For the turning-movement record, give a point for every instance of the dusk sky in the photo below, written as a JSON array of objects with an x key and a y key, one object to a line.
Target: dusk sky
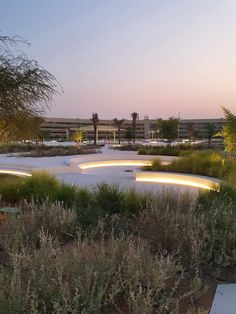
[{"x": 114, "y": 57}]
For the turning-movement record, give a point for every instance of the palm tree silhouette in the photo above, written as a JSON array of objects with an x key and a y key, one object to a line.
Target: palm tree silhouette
[
  {"x": 118, "y": 123},
  {"x": 95, "y": 121},
  {"x": 134, "y": 118},
  {"x": 210, "y": 130}
]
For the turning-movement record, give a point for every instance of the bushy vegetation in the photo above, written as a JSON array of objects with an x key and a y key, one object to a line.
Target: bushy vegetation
[
  {"x": 177, "y": 150},
  {"x": 34, "y": 150},
  {"x": 208, "y": 163},
  {"x": 90, "y": 204},
  {"x": 50, "y": 151},
  {"x": 163, "y": 150},
  {"x": 107, "y": 250},
  {"x": 15, "y": 148},
  {"x": 128, "y": 147}
]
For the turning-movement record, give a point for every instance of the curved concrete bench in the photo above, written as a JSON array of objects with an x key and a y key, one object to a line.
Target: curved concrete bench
[
  {"x": 20, "y": 172},
  {"x": 114, "y": 163},
  {"x": 179, "y": 179}
]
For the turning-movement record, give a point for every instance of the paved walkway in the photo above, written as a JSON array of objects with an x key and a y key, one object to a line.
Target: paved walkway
[{"x": 66, "y": 169}]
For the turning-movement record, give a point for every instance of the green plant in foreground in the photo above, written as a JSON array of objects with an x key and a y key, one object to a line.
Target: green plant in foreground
[
  {"x": 229, "y": 131},
  {"x": 105, "y": 249}
]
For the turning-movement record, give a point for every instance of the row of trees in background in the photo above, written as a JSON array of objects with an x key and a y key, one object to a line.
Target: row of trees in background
[
  {"x": 130, "y": 132},
  {"x": 169, "y": 129},
  {"x": 26, "y": 89}
]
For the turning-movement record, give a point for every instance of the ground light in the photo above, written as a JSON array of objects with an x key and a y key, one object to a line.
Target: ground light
[
  {"x": 179, "y": 179},
  {"x": 16, "y": 172},
  {"x": 111, "y": 163}
]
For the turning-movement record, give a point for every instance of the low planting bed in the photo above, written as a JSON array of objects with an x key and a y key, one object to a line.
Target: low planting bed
[
  {"x": 34, "y": 150},
  {"x": 50, "y": 151},
  {"x": 206, "y": 163}
]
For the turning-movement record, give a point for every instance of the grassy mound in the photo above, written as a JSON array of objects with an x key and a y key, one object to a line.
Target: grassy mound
[{"x": 208, "y": 163}]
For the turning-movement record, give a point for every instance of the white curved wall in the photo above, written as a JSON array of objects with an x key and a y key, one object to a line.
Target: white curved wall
[{"x": 179, "y": 179}]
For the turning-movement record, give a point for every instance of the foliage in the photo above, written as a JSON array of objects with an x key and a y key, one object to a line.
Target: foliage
[
  {"x": 127, "y": 147},
  {"x": 210, "y": 129},
  {"x": 106, "y": 250},
  {"x": 134, "y": 116},
  {"x": 139, "y": 264},
  {"x": 168, "y": 129},
  {"x": 118, "y": 123},
  {"x": 78, "y": 136},
  {"x": 95, "y": 120},
  {"x": 208, "y": 163},
  {"x": 97, "y": 276},
  {"x": 192, "y": 131},
  {"x": 229, "y": 131},
  {"x": 50, "y": 151},
  {"x": 128, "y": 134},
  {"x": 6, "y": 148},
  {"x": 26, "y": 88},
  {"x": 164, "y": 150}
]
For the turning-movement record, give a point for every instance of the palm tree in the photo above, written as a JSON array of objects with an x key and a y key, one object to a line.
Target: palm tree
[
  {"x": 118, "y": 123},
  {"x": 134, "y": 118},
  {"x": 210, "y": 130},
  {"x": 95, "y": 121}
]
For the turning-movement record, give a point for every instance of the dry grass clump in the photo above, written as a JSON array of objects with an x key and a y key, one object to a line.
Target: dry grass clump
[
  {"x": 184, "y": 226},
  {"x": 24, "y": 229},
  {"x": 209, "y": 163},
  {"x": 114, "y": 275}
]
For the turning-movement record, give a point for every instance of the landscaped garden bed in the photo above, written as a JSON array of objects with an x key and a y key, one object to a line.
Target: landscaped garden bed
[
  {"x": 108, "y": 250},
  {"x": 34, "y": 150}
]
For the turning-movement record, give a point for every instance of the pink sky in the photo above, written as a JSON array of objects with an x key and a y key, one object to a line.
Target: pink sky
[{"x": 113, "y": 57}]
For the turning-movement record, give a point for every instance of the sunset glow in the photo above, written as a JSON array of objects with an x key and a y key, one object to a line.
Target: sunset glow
[{"x": 157, "y": 58}]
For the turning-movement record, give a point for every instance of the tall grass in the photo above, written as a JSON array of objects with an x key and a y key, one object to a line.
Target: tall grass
[
  {"x": 108, "y": 250},
  {"x": 209, "y": 163},
  {"x": 94, "y": 276}
]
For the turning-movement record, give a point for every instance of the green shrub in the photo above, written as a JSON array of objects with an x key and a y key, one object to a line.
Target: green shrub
[
  {"x": 134, "y": 201},
  {"x": 208, "y": 163},
  {"x": 50, "y": 151},
  {"x": 109, "y": 199},
  {"x": 67, "y": 194},
  {"x": 114, "y": 249},
  {"x": 156, "y": 165},
  {"x": 10, "y": 188},
  {"x": 84, "y": 198},
  {"x": 40, "y": 186},
  {"x": 177, "y": 150},
  {"x": 16, "y": 147},
  {"x": 159, "y": 150}
]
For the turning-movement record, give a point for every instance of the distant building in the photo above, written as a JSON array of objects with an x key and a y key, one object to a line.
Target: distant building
[{"x": 63, "y": 128}]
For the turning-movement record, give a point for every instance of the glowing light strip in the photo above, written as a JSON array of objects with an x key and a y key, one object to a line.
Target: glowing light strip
[
  {"x": 112, "y": 163},
  {"x": 169, "y": 179},
  {"x": 16, "y": 172}
]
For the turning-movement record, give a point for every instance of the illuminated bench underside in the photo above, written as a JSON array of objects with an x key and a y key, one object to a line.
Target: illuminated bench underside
[
  {"x": 16, "y": 172},
  {"x": 114, "y": 163},
  {"x": 179, "y": 179}
]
